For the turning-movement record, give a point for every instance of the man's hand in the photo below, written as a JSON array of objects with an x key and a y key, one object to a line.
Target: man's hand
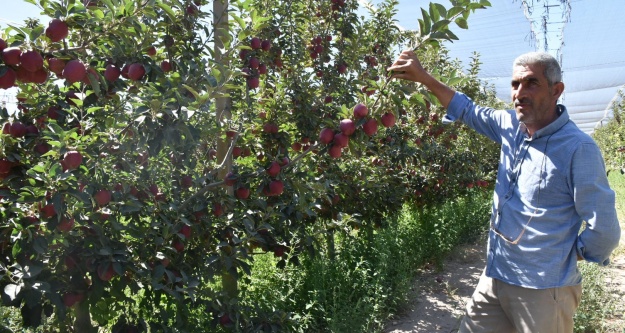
[{"x": 408, "y": 67}]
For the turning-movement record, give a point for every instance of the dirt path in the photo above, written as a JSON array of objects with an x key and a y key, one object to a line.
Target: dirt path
[{"x": 440, "y": 296}]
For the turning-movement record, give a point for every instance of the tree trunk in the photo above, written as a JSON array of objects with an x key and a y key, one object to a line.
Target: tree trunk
[{"x": 222, "y": 106}]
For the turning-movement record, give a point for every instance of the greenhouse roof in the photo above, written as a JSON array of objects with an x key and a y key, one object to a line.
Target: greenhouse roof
[{"x": 585, "y": 35}]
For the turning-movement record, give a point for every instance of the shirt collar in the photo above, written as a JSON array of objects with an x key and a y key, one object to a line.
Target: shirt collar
[{"x": 563, "y": 118}]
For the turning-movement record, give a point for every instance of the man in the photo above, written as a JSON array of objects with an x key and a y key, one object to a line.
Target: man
[{"x": 551, "y": 178}]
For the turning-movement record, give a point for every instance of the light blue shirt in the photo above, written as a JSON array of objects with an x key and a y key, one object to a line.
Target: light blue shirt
[{"x": 554, "y": 180}]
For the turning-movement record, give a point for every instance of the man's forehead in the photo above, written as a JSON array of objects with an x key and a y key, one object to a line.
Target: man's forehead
[{"x": 527, "y": 72}]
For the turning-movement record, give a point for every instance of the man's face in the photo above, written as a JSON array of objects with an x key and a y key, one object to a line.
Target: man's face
[{"x": 534, "y": 100}]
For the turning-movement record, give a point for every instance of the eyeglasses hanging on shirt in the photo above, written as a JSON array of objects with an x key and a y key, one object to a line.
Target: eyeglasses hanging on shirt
[{"x": 515, "y": 240}]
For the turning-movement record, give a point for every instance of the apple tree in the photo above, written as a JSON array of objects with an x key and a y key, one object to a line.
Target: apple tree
[{"x": 159, "y": 145}]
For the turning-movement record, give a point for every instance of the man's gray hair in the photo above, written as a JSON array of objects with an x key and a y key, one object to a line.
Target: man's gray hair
[{"x": 552, "y": 70}]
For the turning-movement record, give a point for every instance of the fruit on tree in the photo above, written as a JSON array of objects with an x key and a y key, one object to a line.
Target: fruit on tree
[
  {"x": 57, "y": 30},
  {"x": 347, "y": 127},
  {"x": 186, "y": 181},
  {"x": 136, "y": 71},
  {"x": 274, "y": 169},
  {"x": 388, "y": 119},
  {"x": 360, "y": 111},
  {"x": 47, "y": 211},
  {"x": 71, "y": 298},
  {"x": 66, "y": 224},
  {"x": 17, "y": 129},
  {"x": 218, "y": 209},
  {"x": 185, "y": 230},
  {"x": 326, "y": 135},
  {"x": 56, "y": 65},
  {"x": 255, "y": 43},
  {"x": 151, "y": 51},
  {"x": 166, "y": 66},
  {"x": 106, "y": 271},
  {"x": 265, "y": 45},
  {"x": 111, "y": 73},
  {"x": 102, "y": 197},
  {"x": 275, "y": 188},
  {"x": 7, "y": 80},
  {"x": 341, "y": 140},
  {"x": 31, "y": 60},
  {"x": 242, "y": 193},
  {"x": 370, "y": 127},
  {"x": 11, "y": 56},
  {"x": 335, "y": 151},
  {"x": 74, "y": 71},
  {"x": 72, "y": 159}
]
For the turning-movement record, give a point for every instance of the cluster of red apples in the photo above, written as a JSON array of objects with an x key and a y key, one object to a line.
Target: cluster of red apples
[
  {"x": 253, "y": 65},
  {"x": 31, "y": 66},
  {"x": 347, "y": 127}
]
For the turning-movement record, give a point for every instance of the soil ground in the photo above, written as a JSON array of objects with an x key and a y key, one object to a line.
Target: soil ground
[{"x": 441, "y": 294}]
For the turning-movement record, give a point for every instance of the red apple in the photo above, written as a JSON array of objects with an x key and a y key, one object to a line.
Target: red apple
[
  {"x": 11, "y": 56},
  {"x": 218, "y": 209},
  {"x": 275, "y": 187},
  {"x": 388, "y": 119},
  {"x": 136, "y": 71},
  {"x": 253, "y": 82},
  {"x": 360, "y": 111},
  {"x": 347, "y": 127},
  {"x": 271, "y": 128},
  {"x": 178, "y": 246},
  {"x": 7, "y": 79},
  {"x": 57, "y": 30},
  {"x": 74, "y": 71},
  {"x": 341, "y": 140},
  {"x": 66, "y": 224},
  {"x": 151, "y": 51},
  {"x": 72, "y": 159},
  {"x": 102, "y": 197},
  {"x": 106, "y": 271},
  {"x": 39, "y": 76},
  {"x": 185, "y": 230},
  {"x": 166, "y": 66},
  {"x": 335, "y": 151},
  {"x": 31, "y": 60},
  {"x": 186, "y": 181},
  {"x": 254, "y": 63},
  {"x": 72, "y": 298},
  {"x": 47, "y": 211},
  {"x": 370, "y": 127},
  {"x": 262, "y": 69},
  {"x": 111, "y": 73},
  {"x": 274, "y": 169},
  {"x": 265, "y": 45},
  {"x": 255, "y": 43},
  {"x": 242, "y": 193},
  {"x": 326, "y": 136},
  {"x": 230, "y": 179},
  {"x": 18, "y": 129}
]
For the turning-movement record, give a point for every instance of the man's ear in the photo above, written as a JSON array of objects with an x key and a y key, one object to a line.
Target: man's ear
[{"x": 558, "y": 89}]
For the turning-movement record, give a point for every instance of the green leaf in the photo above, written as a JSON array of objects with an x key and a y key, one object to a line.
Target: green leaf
[
  {"x": 167, "y": 9},
  {"x": 441, "y": 9},
  {"x": 434, "y": 14},
  {"x": 36, "y": 32},
  {"x": 427, "y": 23},
  {"x": 462, "y": 23},
  {"x": 454, "y": 11},
  {"x": 440, "y": 25}
]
